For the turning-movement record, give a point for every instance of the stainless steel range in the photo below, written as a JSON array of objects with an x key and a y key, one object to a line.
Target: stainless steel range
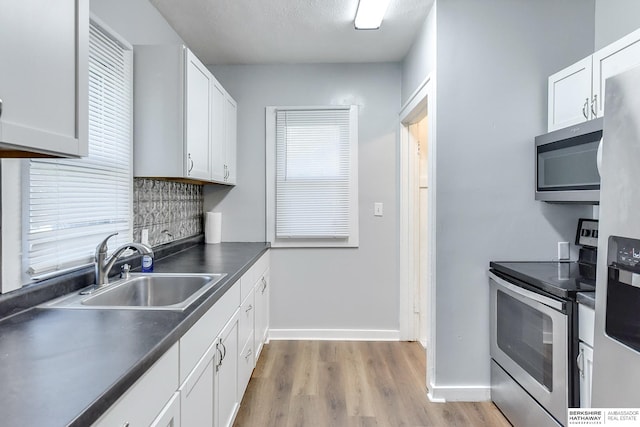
[{"x": 534, "y": 334}]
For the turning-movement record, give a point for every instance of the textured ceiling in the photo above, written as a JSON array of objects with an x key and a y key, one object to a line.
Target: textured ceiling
[{"x": 291, "y": 31}]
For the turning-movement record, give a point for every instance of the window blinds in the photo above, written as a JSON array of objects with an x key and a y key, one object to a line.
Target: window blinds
[
  {"x": 312, "y": 173},
  {"x": 74, "y": 204}
]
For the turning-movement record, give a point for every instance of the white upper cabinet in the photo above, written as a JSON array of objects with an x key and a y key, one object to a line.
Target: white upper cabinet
[
  {"x": 230, "y": 132},
  {"x": 570, "y": 95},
  {"x": 197, "y": 118},
  {"x": 616, "y": 58},
  {"x": 179, "y": 116},
  {"x": 218, "y": 134},
  {"x": 576, "y": 94},
  {"x": 43, "y": 77},
  {"x": 223, "y": 155}
]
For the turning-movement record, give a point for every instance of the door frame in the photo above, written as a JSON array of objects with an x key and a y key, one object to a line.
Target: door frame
[{"x": 423, "y": 97}]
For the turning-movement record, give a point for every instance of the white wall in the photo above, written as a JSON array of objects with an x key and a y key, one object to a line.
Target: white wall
[
  {"x": 421, "y": 58},
  {"x": 493, "y": 61},
  {"x": 615, "y": 19},
  {"x": 321, "y": 288},
  {"x": 137, "y": 21}
]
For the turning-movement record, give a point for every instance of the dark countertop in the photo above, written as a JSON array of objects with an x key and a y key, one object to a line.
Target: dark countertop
[
  {"x": 67, "y": 367},
  {"x": 588, "y": 299}
]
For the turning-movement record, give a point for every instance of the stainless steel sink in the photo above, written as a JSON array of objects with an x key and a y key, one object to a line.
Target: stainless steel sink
[{"x": 145, "y": 291}]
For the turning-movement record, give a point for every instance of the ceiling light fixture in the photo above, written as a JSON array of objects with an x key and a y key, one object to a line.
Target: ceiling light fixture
[{"x": 370, "y": 13}]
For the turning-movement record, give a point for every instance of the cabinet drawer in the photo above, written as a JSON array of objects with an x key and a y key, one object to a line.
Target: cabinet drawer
[
  {"x": 197, "y": 339},
  {"x": 586, "y": 322},
  {"x": 144, "y": 400},
  {"x": 254, "y": 274},
  {"x": 246, "y": 363}
]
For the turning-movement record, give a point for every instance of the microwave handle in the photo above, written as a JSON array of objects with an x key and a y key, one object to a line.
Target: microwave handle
[{"x": 526, "y": 293}]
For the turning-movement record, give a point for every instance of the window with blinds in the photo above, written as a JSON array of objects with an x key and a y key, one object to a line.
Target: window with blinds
[
  {"x": 73, "y": 204},
  {"x": 314, "y": 176}
]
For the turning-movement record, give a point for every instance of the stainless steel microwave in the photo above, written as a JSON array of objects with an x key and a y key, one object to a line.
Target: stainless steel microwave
[{"x": 566, "y": 164}]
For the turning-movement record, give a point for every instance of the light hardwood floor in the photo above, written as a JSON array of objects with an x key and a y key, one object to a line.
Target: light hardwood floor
[{"x": 338, "y": 383}]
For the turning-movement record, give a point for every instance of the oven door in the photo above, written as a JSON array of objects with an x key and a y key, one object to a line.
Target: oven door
[{"x": 529, "y": 340}]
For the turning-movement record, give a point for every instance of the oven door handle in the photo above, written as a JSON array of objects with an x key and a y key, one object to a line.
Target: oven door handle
[{"x": 558, "y": 305}]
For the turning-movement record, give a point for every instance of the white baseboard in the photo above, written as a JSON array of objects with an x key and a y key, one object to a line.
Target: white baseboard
[
  {"x": 335, "y": 334},
  {"x": 459, "y": 393}
]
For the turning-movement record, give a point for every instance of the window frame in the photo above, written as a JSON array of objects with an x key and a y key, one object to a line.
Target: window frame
[{"x": 270, "y": 183}]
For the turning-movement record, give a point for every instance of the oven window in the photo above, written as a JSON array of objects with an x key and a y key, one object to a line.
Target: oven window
[{"x": 526, "y": 336}]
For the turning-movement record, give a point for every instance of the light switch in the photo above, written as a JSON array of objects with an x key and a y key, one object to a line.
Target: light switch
[
  {"x": 377, "y": 209},
  {"x": 144, "y": 236}
]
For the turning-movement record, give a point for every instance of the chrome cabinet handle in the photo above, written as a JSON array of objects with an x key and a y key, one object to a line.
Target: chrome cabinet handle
[
  {"x": 264, "y": 284},
  {"x": 126, "y": 424},
  {"x": 249, "y": 352},
  {"x": 580, "y": 363},
  {"x": 585, "y": 109},
  {"x": 249, "y": 308},
  {"x": 220, "y": 356},
  {"x": 594, "y": 106},
  {"x": 0, "y": 107},
  {"x": 224, "y": 349},
  {"x": 191, "y": 160}
]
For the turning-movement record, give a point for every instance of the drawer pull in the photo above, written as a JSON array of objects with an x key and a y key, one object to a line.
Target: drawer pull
[
  {"x": 249, "y": 352},
  {"x": 249, "y": 308}
]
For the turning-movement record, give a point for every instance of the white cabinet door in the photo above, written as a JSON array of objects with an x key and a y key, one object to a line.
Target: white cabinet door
[
  {"x": 569, "y": 99},
  {"x": 197, "y": 392},
  {"x": 226, "y": 375},
  {"x": 218, "y": 168},
  {"x": 619, "y": 56},
  {"x": 261, "y": 299},
  {"x": 43, "y": 76},
  {"x": 231, "y": 124},
  {"x": 145, "y": 399},
  {"x": 585, "y": 365},
  {"x": 170, "y": 415},
  {"x": 197, "y": 116}
]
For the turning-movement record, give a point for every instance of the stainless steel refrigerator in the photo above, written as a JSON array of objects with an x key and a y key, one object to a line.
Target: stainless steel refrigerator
[{"x": 616, "y": 352}]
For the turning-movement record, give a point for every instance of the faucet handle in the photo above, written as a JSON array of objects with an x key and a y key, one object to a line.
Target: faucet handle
[{"x": 102, "y": 247}]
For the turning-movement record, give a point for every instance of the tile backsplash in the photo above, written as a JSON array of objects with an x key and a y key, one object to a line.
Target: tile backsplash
[{"x": 169, "y": 210}]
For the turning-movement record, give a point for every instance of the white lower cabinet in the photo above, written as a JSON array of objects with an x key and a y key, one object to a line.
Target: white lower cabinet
[
  {"x": 200, "y": 381},
  {"x": 585, "y": 366},
  {"x": 226, "y": 375},
  {"x": 170, "y": 415},
  {"x": 261, "y": 299},
  {"x": 141, "y": 404},
  {"x": 586, "y": 322}
]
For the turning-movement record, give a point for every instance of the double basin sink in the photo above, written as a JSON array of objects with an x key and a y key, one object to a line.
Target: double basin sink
[{"x": 143, "y": 291}]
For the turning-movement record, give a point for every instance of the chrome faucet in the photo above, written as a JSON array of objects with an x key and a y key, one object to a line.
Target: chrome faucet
[{"x": 104, "y": 265}]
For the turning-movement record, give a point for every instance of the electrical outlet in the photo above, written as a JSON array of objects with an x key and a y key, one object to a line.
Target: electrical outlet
[{"x": 563, "y": 251}]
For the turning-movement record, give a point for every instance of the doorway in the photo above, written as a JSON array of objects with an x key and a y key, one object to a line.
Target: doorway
[
  {"x": 419, "y": 142},
  {"x": 417, "y": 223}
]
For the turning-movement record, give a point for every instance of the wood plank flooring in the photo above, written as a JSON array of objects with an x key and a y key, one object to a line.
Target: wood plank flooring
[{"x": 338, "y": 383}]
